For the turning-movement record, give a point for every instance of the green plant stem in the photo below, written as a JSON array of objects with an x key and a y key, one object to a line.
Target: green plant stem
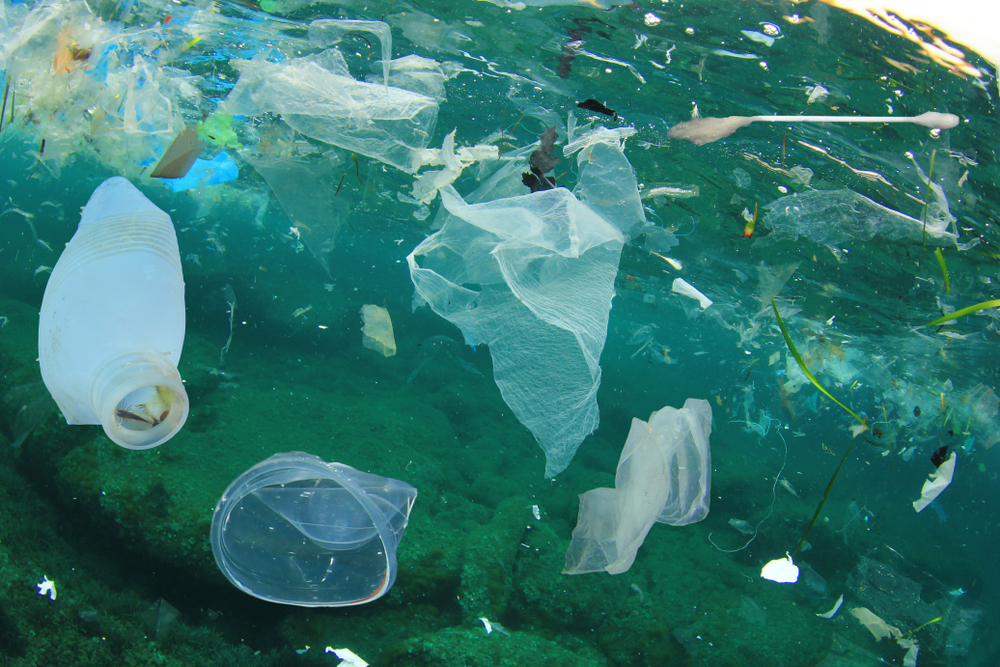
[
  {"x": 965, "y": 311},
  {"x": 919, "y": 627},
  {"x": 826, "y": 494},
  {"x": 6, "y": 89},
  {"x": 944, "y": 270},
  {"x": 805, "y": 369}
]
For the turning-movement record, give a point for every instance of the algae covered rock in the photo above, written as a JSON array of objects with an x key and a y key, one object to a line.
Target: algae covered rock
[
  {"x": 473, "y": 647},
  {"x": 487, "y": 575}
]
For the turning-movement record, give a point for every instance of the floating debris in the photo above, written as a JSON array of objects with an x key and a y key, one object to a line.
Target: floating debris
[{"x": 593, "y": 105}]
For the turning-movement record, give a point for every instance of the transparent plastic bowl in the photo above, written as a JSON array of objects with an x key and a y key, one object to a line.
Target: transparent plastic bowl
[{"x": 297, "y": 530}]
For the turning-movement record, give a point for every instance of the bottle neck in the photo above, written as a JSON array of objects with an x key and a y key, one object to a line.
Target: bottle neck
[{"x": 140, "y": 399}]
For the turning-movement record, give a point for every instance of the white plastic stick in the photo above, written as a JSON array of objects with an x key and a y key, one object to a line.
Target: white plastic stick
[{"x": 941, "y": 121}]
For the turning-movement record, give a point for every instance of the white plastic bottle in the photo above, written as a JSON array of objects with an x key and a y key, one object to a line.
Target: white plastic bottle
[{"x": 112, "y": 322}]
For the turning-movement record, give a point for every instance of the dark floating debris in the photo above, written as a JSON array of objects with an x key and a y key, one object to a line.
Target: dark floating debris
[
  {"x": 576, "y": 38},
  {"x": 591, "y": 104},
  {"x": 939, "y": 456},
  {"x": 542, "y": 161}
]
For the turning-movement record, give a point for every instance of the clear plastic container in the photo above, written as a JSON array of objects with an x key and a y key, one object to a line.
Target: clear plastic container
[{"x": 297, "y": 530}]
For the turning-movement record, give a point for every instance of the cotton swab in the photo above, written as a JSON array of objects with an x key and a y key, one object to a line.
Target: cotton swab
[{"x": 700, "y": 131}]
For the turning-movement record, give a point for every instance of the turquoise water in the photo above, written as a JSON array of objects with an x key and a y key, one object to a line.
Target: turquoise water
[{"x": 123, "y": 532}]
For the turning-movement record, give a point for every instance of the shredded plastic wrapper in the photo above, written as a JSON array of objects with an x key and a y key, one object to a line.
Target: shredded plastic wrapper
[
  {"x": 532, "y": 277},
  {"x": 834, "y": 217},
  {"x": 317, "y": 96},
  {"x": 664, "y": 475},
  {"x": 427, "y": 184},
  {"x": 882, "y": 630},
  {"x": 936, "y": 483}
]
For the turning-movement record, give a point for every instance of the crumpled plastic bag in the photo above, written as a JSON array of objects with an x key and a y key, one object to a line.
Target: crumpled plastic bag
[
  {"x": 318, "y": 97},
  {"x": 607, "y": 180},
  {"x": 664, "y": 475},
  {"x": 834, "y": 217},
  {"x": 532, "y": 277}
]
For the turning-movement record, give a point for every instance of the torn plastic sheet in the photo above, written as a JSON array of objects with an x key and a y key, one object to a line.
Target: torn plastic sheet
[
  {"x": 936, "y": 483},
  {"x": 306, "y": 189},
  {"x": 422, "y": 75},
  {"x": 881, "y": 630},
  {"x": 834, "y": 217},
  {"x": 531, "y": 276},
  {"x": 599, "y": 135},
  {"x": 327, "y": 32},
  {"x": 607, "y": 180},
  {"x": 317, "y": 96}
]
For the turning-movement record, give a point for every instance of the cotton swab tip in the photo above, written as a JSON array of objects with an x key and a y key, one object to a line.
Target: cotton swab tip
[{"x": 939, "y": 121}]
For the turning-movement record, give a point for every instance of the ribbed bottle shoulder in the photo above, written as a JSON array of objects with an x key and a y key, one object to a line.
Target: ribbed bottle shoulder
[{"x": 118, "y": 235}]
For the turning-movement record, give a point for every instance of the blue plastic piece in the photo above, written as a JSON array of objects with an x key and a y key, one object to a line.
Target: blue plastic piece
[{"x": 220, "y": 169}]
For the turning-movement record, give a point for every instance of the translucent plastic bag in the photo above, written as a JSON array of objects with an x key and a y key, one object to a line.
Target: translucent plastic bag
[
  {"x": 531, "y": 276},
  {"x": 664, "y": 475},
  {"x": 318, "y": 97},
  {"x": 305, "y": 188},
  {"x": 607, "y": 180},
  {"x": 834, "y": 217},
  {"x": 326, "y": 32}
]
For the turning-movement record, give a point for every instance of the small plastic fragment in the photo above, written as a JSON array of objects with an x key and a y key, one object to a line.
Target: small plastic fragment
[
  {"x": 218, "y": 131},
  {"x": 684, "y": 288},
  {"x": 47, "y": 587},
  {"x": 936, "y": 483},
  {"x": 377, "y": 330},
  {"x": 180, "y": 156},
  {"x": 836, "y": 608},
  {"x": 782, "y": 570},
  {"x": 349, "y": 657}
]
